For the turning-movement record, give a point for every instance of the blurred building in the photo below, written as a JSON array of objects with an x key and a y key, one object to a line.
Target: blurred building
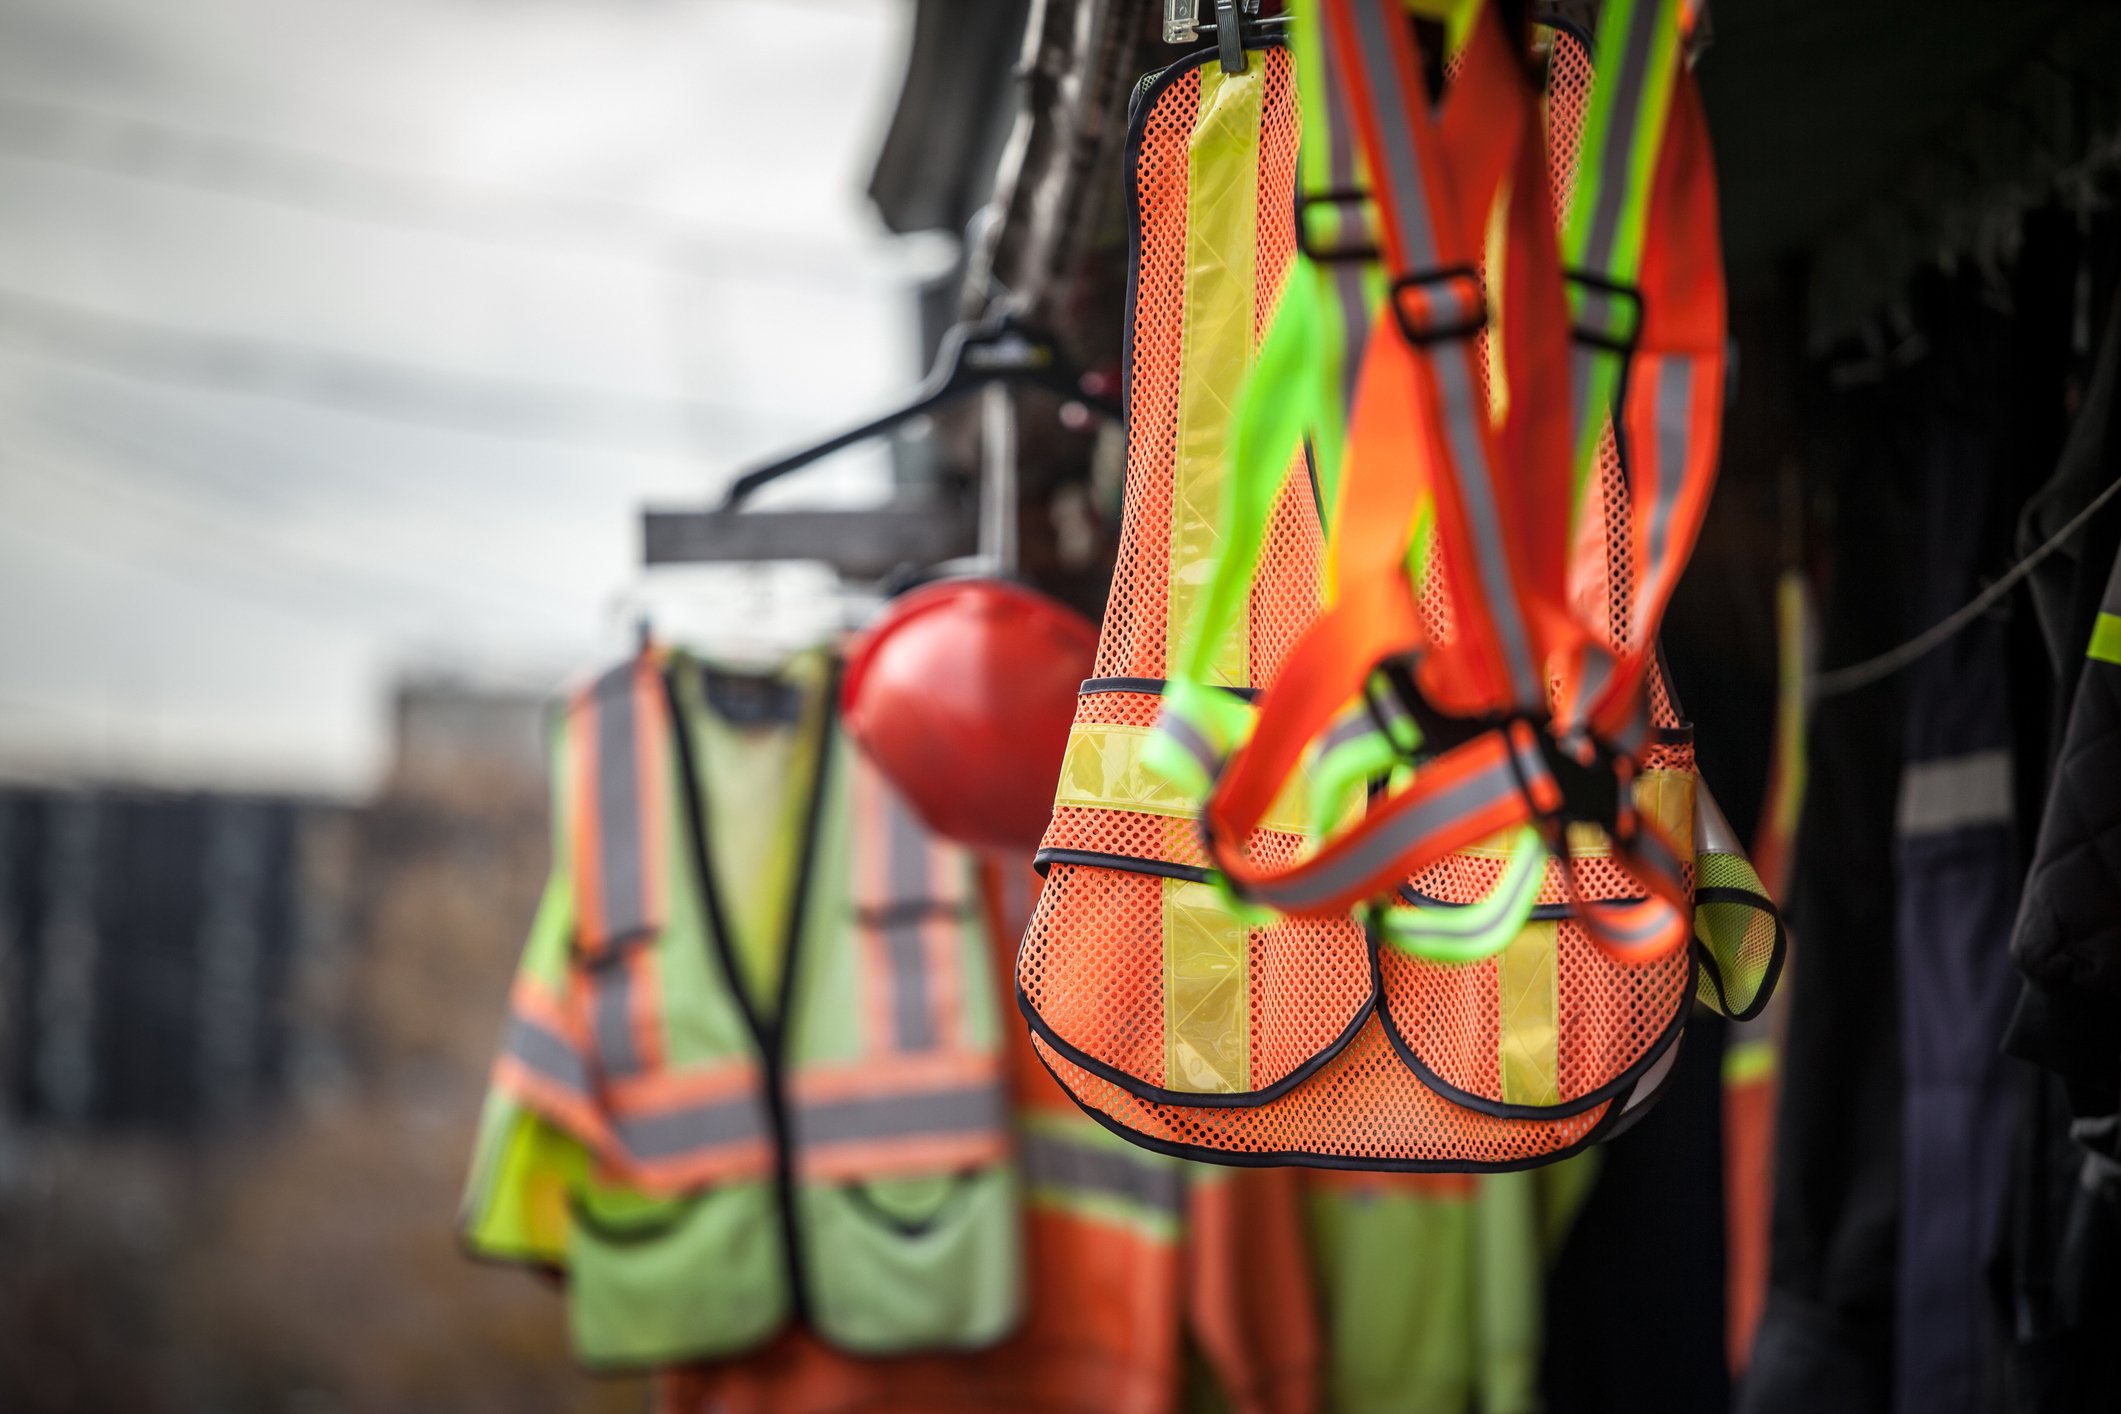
[{"x": 163, "y": 953}]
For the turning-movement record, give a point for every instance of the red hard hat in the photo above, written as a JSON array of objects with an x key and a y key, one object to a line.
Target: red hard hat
[{"x": 962, "y": 693}]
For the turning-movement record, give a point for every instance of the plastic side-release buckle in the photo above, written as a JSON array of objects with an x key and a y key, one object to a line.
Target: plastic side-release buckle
[
  {"x": 1434, "y": 306},
  {"x": 1322, "y": 253},
  {"x": 1603, "y": 313}
]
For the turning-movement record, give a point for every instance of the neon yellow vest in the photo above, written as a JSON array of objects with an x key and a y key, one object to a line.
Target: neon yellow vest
[{"x": 710, "y": 1158}]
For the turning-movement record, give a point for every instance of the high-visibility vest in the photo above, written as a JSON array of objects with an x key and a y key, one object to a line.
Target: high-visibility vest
[
  {"x": 707, "y": 1164},
  {"x": 1158, "y": 1002},
  {"x": 1433, "y": 1286},
  {"x": 1131, "y": 1257}
]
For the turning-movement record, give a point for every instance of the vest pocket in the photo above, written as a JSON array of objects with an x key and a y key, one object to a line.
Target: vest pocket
[
  {"x": 923, "y": 1262},
  {"x": 656, "y": 1281}
]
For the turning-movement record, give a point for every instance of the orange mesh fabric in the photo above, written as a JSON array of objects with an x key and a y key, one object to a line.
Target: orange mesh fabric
[
  {"x": 1092, "y": 967},
  {"x": 1363, "y": 1108},
  {"x": 1325, "y": 1083},
  {"x": 1310, "y": 977}
]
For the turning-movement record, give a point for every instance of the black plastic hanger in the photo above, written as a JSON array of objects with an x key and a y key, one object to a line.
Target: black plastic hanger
[{"x": 973, "y": 355}]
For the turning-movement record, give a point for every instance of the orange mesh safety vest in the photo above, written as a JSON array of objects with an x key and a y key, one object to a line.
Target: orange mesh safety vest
[{"x": 1303, "y": 1041}]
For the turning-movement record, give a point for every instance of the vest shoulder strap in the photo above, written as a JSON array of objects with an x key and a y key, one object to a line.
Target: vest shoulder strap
[{"x": 617, "y": 754}]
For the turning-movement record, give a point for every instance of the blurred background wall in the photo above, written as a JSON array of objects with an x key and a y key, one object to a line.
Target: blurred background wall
[{"x": 339, "y": 346}]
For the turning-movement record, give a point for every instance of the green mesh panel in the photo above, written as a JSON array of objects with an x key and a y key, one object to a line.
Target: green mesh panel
[{"x": 1740, "y": 933}]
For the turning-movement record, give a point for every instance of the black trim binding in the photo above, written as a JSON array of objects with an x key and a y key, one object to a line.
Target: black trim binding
[
  {"x": 1541, "y": 912},
  {"x": 1149, "y": 687},
  {"x": 769, "y": 1033},
  {"x": 1126, "y": 863},
  {"x": 1503, "y": 1109},
  {"x": 1608, "y": 1125},
  {"x": 1190, "y": 1099},
  {"x": 1705, "y": 959}
]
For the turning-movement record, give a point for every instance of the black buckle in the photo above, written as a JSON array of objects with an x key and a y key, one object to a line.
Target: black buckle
[
  {"x": 1335, "y": 254},
  {"x": 1421, "y": 326},
  {"x": 1439, "y": 733},
  {"x": 1590, "y": 790},
  {"x": 1595, "y": 332}
]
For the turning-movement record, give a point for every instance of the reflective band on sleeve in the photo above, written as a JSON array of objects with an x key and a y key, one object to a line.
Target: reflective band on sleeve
[
  {"x": 1955, "y": 793},
  {"x": 1207, "y": 992},
  {"x": 1222, "y": 197},
  {"x": 1527, "y": 982},
  {"x": 546, "y": 1054},
  {"x": 1064, "y": 1166},
  {"x": 1104, "y": 768},
  {"x": 2106, "y": 639}
]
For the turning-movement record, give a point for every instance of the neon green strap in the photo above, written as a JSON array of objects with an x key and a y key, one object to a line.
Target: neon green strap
[
  {"x": 1602, "y": 240},
  {"x": 1475, "y": 931}
]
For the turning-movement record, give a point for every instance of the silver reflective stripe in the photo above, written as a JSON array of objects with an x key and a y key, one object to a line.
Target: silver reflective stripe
[
  {"x": 1712, "y": 832},
  {"x": 546, "y": 1054},
  {"x": 1613, "y": 178},
  {"x": 1465, "y": 410},
  {"x": 1409, "y": 198},
  {"x": 1596, "y": 307},
  {"x": 971, "y": 1109},
  {"x": 1602, "y": 915},
  {"x": 1375, "y": 853},
  {"x": 1583, "y": 368},
  {"x": 1674, "y": 419},
  {"x": 1597, "y": 670},
  {"x": 905, "y": 917},
  {"x": 1634, "y": 734},
  {"x": 1955, "y": 793},
  {"x": 1189, "y": 738},
  {"x": 1653, "y": 1079},
  {"x": 1354, "y": 725},
  {"x": 611, "y": 1018},
  {"x": 1131, "y": 1175},
  {"x": 1647, "y": 851},
  {"x": 678, "y": 1132},
  {"x": 624, "y": 891}
]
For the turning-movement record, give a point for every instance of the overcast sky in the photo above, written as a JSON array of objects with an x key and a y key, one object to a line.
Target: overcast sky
[{"x": 340, "y": 339}]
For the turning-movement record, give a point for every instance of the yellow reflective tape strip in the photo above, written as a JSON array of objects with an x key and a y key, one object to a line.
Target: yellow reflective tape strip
[
  {"x": 1528, "y": 977},
  {"x": 1666, "y": 797},
  {"x": 1207, "y": 993},
  {"x": 2106, "y": 639},
  {"x": 1103, "y": 767},
  {"x": 1222, "y": 195}
]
